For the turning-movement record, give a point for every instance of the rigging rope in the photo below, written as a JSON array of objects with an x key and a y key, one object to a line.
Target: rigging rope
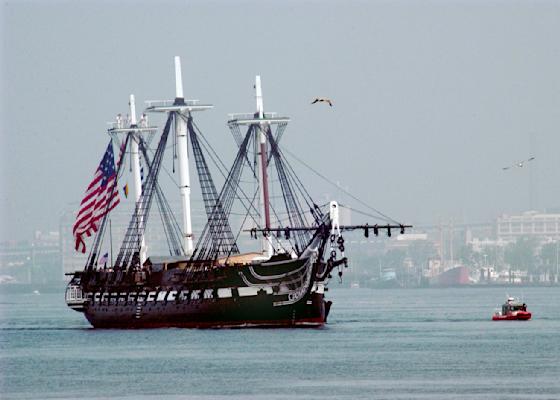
[
  {"x": 132, "y": 240},
  {"x": 383, "y": 216}
]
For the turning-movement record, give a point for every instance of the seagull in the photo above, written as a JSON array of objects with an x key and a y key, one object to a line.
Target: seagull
[
  {"x": 322, "y": 99},
  {"x": 519, "y": 164}
]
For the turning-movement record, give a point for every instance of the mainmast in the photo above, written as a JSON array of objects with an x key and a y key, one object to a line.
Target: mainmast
[
  {"x": 182, "y": 110},
  {"x": 183, "y": 154}
]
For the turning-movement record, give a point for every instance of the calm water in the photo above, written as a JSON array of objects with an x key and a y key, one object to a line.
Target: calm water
[{"x": 379, "y": 344}]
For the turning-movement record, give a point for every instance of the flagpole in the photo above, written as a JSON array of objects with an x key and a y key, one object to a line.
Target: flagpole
[{"x": 111, "y": 240}]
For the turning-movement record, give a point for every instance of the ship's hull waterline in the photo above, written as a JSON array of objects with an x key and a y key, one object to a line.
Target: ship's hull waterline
[
  {"x": 258, "y": 311},
  {"x": 286, "y": 293}
]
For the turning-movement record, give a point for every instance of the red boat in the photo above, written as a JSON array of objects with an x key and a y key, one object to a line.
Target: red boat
[{"x": 512, "y": 310}]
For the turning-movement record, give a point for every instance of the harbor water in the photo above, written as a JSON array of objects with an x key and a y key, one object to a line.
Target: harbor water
[{"x": 378, "y": 344}]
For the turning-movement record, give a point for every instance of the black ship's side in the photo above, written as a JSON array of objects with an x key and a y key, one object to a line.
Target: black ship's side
[
  {"x": 212, "y": 284},
  {"x": 279, "y": 292}
]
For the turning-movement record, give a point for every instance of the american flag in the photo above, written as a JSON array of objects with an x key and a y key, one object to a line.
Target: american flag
[
  {"x": 100, "y": 198},
  {"x": 104, "y": 258}
]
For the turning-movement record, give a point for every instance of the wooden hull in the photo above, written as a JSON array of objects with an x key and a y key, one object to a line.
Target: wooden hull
[
  {"x": 284, "y": 293},
  {"x": 255, "y": 311}
]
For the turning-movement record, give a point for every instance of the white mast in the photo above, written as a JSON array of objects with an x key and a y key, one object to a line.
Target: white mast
[
  {"x": 135, "y": 132},
  {"x": 183, "y": 154},
  {"x": 262, "y": 158},
  {"x": 259, "y": 96},
  {"x": 135, "y": 164},
  {"x": 183, "y": 111}
]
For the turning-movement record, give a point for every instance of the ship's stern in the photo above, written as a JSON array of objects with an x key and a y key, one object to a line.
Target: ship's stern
[{"x": 75, "y": 296}]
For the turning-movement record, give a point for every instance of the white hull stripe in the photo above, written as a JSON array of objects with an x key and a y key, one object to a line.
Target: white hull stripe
[{"x": 173, "y": 295}]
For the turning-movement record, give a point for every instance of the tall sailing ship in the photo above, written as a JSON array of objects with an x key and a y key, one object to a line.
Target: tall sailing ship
[{"x": 209, "y": 283}]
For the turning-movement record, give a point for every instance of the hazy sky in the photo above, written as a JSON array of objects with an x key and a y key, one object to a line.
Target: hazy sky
[{"x": 431, "y": 99}]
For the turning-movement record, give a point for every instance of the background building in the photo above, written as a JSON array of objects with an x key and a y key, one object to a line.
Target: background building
[
  {"x": 529, "y": 224},
  {"x": 37, "y": 261}
]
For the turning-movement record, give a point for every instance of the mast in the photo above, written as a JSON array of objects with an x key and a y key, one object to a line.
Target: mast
[
  {"x": 264, "y": 199},
  {"x": 183, "y": 155},
  {"x": 261, "y": 124},
  {"x": 135, "y": 164},
  {"x": 135, "y": 131},
  {"x": 182, "y": 110}
]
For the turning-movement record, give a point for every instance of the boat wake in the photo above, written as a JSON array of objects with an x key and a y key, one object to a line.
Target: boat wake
[{"x": 43, "y": 328}]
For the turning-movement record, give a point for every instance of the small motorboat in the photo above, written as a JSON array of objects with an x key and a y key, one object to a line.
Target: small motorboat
[{"x": 512, "y": 309}]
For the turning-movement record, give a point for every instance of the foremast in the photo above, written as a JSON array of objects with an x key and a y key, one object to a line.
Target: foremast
[
  {"x": 261, "y": 123},
  {"x": 264, "y": 198}
]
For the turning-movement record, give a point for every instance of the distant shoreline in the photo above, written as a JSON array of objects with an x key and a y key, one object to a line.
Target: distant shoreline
[
  {"x": 29, "y": 288},
  {"x": 474, "y": 285}
]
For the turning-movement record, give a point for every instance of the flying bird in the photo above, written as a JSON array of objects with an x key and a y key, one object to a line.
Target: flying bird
[
  {"x": 519, "y": 164},
  {"x": 322, "y": 99}
]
